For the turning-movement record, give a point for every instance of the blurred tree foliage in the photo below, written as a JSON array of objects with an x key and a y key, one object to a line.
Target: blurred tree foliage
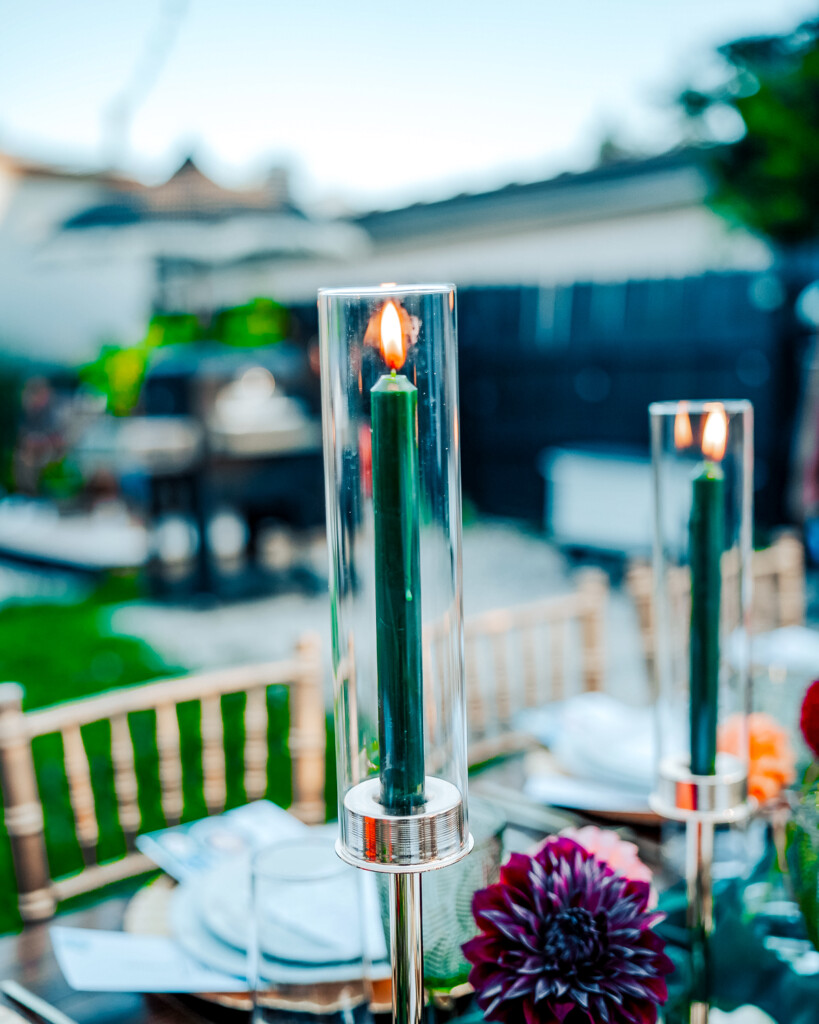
[
  {"x": 767, "y": 179},
  {"x": 10, "y": 386},
  {"x": 118, "y": 371},
  {"x": 260, "y": 322}
]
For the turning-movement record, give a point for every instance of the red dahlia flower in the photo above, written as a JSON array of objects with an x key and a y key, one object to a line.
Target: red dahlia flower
[
  {"x": 809, "y": 718},
  {"x": 566, "y": 941}
]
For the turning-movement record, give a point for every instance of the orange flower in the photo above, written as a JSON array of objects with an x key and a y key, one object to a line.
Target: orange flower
[{"x": 771, "y": 758}]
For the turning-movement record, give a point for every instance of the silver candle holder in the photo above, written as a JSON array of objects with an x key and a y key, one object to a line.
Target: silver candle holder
[
  {"x": 702, "y": 461},
  {"x": 392, "y": 472}
]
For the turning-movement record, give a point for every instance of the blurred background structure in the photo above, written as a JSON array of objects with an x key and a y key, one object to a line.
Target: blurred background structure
[
  {"x": 157, "y": 327},
  {"x": 625, "y": 196}
]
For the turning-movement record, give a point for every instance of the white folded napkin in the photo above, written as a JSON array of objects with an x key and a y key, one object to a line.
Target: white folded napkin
[
  {"x": 795, "y": 648},
  {"x": 597, "y": 738},
  {"x": 102, "y": 961}
]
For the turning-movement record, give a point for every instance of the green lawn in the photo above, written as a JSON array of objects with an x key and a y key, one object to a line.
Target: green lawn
[{"x": 59, "y": 652}]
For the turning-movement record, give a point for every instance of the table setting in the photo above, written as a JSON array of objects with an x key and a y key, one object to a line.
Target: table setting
[
  {"x": 420, "y": 899},
  {"x": 193, "y": 930},
  {"x": 236, "y": 917}
]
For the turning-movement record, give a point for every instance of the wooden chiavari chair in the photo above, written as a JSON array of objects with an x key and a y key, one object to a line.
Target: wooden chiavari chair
[{"x": 39, "y": 893}]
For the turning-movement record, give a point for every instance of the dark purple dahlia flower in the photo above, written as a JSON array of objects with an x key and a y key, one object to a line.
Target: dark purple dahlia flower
[{"x": 566, "y": 940}]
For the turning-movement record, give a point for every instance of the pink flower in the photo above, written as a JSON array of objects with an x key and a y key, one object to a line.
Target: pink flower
[{"x": 603, "y": 843}]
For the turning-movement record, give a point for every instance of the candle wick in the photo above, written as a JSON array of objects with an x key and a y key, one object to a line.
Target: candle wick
[{"x": 392, "y": 373}]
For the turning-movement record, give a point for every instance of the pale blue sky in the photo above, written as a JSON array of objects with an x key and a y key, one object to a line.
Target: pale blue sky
[{"x": 367, "y": 100}]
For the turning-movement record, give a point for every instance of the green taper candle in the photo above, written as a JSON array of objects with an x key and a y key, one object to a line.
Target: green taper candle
[
  {"x": 394, "y": 401},
  {"x": 707, "y": 543}
]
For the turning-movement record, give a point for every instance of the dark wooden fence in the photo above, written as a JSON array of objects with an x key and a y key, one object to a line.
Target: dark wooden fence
[{"x": 579, "y": 364}]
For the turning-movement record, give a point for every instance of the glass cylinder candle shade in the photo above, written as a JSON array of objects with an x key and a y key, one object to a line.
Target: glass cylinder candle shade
[
  {"x": 702, "y": 460},
  {"x": 393, "y": 486}
]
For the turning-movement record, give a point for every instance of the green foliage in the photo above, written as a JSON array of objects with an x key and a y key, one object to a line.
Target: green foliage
[
  {"x": 469, "y": 512},
  {"x": 118, "y": 371},
  {"x": 804, "y": 872},
  {"x": 260, "y": 322},
  {"x": 803, "y": 855},
  {"x": 767, "y": 179},
  {"x": 10, "y": 386},
  {"x": 82, "y": 655},
  {"x": 61, "y": 479},
  {"x": 172, "y": 329}
]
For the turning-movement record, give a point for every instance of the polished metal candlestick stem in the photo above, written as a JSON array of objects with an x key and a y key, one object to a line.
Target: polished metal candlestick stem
[
  {"x": 407, "y": 949},
  {"x": 701, "y": 802},
  {"x": 699, "y": 858}
]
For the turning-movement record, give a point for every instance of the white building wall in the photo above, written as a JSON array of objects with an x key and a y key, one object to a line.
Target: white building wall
[
  {"x": 60, "y": 303},
  {"x": 61, "y": 296},
  {"x": 669, "y": 243}
]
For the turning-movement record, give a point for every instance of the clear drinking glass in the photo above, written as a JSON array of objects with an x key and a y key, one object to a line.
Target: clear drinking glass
[{"x": 309, "y": 956}]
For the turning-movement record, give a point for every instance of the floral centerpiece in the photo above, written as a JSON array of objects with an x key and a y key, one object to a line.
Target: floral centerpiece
[{"x": 567, "y": 939}]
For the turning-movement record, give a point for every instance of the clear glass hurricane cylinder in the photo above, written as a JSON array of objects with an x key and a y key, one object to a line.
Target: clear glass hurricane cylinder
[
  {"x": 392, "y": 469},
  {"x": 702, "y": 461}
]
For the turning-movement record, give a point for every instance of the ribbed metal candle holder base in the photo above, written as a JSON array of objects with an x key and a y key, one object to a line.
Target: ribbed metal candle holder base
[
  {"x": 720, "y": 799},
  {"x": 434, "y": 836}
]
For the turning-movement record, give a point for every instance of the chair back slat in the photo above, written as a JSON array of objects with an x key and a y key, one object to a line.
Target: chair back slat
[
  {"x": 791, "y": 577},
  {"x": 557, "y": 650},
  {"x": 38, "y": 891},
  {"x": 78, "y": 774},
  {"x": 640, "y": 584},
  {"x": 308, "y": 735},
  {"x": 528, "y": 646},
  {"x": 592, "y": 590},
  {"x": 23, "y": 810},
  {"x": 475, "y": 704},
  {"x": 170, "y": 765},
  {"x": 256, "y": 743},
  {"x": 439, "y": 656},
  {"x": 214, "y": 783},
  {"x": 125, "y": 780},
  {"x": 503, "y": 698}
]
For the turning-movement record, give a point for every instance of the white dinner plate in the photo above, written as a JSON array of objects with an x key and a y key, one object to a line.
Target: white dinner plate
[
  {"x": 193, "y": 935},
  {"x": 220, "y": 901}
]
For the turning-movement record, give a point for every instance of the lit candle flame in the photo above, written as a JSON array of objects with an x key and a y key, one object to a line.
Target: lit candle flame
[
  {"x": 683, "y": 436},
  {"x": 392, "y": 337},
  {"x": 715, "y": 433}
]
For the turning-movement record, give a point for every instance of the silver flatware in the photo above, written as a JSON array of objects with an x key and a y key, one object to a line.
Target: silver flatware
[{"x": 34, "y": 1004}]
